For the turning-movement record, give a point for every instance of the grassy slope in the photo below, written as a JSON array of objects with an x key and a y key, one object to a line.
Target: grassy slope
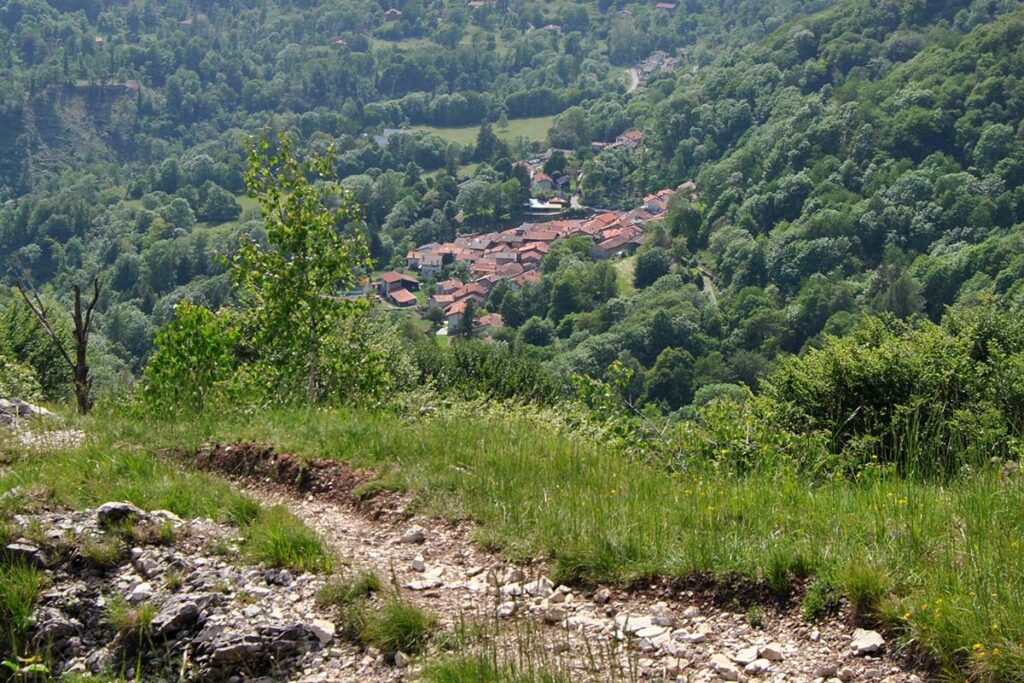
[
  {"x": 105, "y": 470},
  {"x": 535, "y": 128},
  {"x": 942, "y": 562}
]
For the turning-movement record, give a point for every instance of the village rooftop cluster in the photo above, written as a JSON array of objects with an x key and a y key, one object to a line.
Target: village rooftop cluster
[{"x": 514, "y": 255}]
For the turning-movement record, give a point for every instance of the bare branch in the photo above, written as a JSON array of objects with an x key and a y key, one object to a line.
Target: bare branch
[{"x": 40, "y": 312}]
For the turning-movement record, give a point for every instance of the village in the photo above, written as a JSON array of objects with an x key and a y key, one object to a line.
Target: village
[{"x": 512, "y": 255}]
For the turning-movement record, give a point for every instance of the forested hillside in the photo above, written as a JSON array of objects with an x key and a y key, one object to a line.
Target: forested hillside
[
  {"x": 125, "y": 124},
  {"x": 707, "y": 310},
  {"x": 861, "y": 157}
]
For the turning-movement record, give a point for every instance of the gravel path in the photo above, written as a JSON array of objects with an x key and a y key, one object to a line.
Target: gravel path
[{"x": 608, "y": 634}]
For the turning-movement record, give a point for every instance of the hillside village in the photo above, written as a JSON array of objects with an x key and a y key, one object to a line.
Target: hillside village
[{"x": 514, "y": 255}]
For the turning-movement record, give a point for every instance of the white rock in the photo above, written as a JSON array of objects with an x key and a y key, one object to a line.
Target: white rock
[
  {"x": 414, "y": 534},
  {"x": 846, "y": 674},
  {"x": 401, "y": 660},
  {"x": 825, "y": 671},
  {"x": 815, "y": 636},
  {"x": 143, "y": 591},
  {"x": 758, "y": 666},
  {"x": 662, "y": 616},
  {"x": 323, "y": 630},
  {"x": 693, "y": 638},
  {"x": 541, "y": 587},
  {"x": 724, "y": 667},
  {"x": 745, "y": 656},
  {"x": 506, "y": 610},
  {"x": 418, "y": 564},
  {"x": 650, "y": 632},
  {"x": 628, "y": 623},
  {"x": 512, "y": 589},
  {"x": 773, "y": 652},
  {"x": 602, "y": 596},
  {"x": 866, "y": 642},
  {"x": 691, "y": 612},
  {"x": 424, "y": 584},
  {"x": 557, "y": 598}
]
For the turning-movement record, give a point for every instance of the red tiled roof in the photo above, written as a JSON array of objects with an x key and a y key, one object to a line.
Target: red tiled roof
[
  {"x": 402, "y": 296},
  {"x": 393, "y": 276}
]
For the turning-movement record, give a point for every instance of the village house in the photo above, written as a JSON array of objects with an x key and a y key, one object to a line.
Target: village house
[
  {"x": 621, "y": 244},
  {"x": 489, "y": 322},
  {"x": 453, "y": 315},
  {"x": 393, "y": 280},
  {"x": 401, "y": 297},
  {"x": 393, "y": 14},
  {"x": 657, "y": 202},
  {"x": 442, "y": 301},
  {"x": 449, "y": 286},
  {"x": 630, "y": 139},
  {"x": 541, "y": 181}
]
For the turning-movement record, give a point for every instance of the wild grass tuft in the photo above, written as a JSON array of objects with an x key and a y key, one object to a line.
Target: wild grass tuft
[
  {"x": 19, "y": 586},
  {"x": 393, "y": 627},
  {"x": 345, "y": 591},
  {"x": 101, "y": 552},
  {"x": 128, "y": 619},
  {"x": 278, "y": 538},
  {"x": 821, "y": 599}
]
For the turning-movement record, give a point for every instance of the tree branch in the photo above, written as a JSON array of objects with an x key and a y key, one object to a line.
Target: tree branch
[{"x": 40, "y": 312}]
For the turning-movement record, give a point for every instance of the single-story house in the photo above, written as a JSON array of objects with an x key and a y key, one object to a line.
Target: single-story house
[{"x": 401, "y": 297}]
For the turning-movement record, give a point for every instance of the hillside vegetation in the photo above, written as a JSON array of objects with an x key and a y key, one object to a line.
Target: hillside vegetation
[{"x": 805, "y": 387}]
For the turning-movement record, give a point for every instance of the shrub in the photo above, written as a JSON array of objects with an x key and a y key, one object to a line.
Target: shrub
[
  {"x": 474, "y": 368},
  {"x": 194, "y": 355},
  {"x": 930, "y": 399}
]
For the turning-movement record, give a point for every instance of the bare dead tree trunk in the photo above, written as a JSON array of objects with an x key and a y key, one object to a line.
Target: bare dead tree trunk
[{"x": 83, "y": 325}]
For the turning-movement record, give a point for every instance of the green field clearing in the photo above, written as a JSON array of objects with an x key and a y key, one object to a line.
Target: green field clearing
[
  {"x": 535, "y": 129},
  {"x": 624, "y": 270}
]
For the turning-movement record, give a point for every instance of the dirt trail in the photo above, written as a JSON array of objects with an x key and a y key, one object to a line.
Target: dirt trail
[{"x": 657, "y": 633}]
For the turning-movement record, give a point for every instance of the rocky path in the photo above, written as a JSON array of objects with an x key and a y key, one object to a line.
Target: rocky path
[{"x": 607, "y": 634}]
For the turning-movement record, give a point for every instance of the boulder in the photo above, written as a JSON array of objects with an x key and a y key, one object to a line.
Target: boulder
[
  {"x": 25, "y": 551},
  {"x": 725, "y": 668},
  {"x": 866, "y": 642},
  {"x": 414, "y": 534},
  {"x": 117, "y": 511},
  {"x": 179, "y": 612},
  {"x": 323, "y": 630}
]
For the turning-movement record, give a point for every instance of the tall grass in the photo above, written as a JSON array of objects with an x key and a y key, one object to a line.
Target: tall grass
[
  {"x": 278, "y": 538},
  {"x": 939, "y": 562},
  {"x": 19, "y": 586},
  {"x": 105, "y": 470}
]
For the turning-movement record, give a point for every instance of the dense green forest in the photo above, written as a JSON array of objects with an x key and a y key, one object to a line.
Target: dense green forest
[{"x": 865, "y": 156}]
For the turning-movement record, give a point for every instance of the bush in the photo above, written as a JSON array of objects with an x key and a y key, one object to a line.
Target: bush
[
  {"x": 474, "y": 368},
  {"x": 928, "y": 399},
  {"x": 195, "y": 354},
  {"x": 17, "y": 380}
]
